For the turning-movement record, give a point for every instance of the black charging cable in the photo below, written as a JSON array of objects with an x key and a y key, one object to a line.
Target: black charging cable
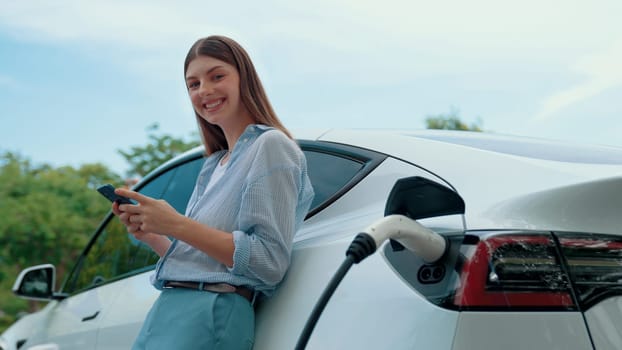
[{"x": 361, "y": 247}]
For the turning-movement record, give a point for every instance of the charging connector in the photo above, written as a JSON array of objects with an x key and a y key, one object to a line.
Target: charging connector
[{"x": 422, "y": 241}]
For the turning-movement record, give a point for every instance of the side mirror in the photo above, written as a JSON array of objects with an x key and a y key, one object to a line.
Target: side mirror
[{"x": 36, "y": 282}]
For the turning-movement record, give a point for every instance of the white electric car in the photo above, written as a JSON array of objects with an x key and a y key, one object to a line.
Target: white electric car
[{"x": 531, "y": 254}]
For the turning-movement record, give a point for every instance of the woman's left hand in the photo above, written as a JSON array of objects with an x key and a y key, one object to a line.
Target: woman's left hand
[{"x": 152, "y": 215}]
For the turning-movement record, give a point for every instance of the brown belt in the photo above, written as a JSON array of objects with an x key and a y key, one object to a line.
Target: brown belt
[{"x": 213, "y": 287}]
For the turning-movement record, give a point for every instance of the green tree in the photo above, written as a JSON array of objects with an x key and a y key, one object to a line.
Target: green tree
[
  {"x": 451, "y": 121},
  {"x": 47, "y": 216},
  {"x": 161, "y": 147}
]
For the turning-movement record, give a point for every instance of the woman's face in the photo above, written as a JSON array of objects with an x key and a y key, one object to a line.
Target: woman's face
[{"x": 214, "y": 89}]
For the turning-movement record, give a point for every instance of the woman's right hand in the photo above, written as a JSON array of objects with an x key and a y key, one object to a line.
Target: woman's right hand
[
  {"x": 157, "y": 242},
  {"x": 132, "y": 228}
]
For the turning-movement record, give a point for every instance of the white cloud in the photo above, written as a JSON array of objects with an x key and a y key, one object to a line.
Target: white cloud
[
  {"x": 477, "y": 24},
  {"x": 396, "y": 40},
  {"x": 141, "y": 24},
  {"x": 602, "y": 71},
  {"x": 357, "y": 27},
  {"x": 358, "y": 42}
]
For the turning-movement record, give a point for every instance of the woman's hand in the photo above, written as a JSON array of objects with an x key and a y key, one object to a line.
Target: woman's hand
[
  {"x": 132, "y": 228},
  {"x": 159, "y": 218},
  {"x": 148, "y": 216},
  {"x": 158, "y": 243}
]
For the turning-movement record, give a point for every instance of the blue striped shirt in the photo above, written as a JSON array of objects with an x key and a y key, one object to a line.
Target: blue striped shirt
[{"x": 262, "y": 199}]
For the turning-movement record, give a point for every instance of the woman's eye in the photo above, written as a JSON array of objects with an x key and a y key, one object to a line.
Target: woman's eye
[
  {"x": 218, "y": 77},
  {"x": 193, "y": 85}
]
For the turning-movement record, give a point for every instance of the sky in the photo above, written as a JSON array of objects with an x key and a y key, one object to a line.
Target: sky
[{"x": 81, "y": 80}]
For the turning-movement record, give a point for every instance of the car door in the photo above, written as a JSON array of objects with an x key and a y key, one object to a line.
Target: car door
[{"x": 72, "y": 323}]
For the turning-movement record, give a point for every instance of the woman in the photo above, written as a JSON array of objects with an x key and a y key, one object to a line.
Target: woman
[{"x": 234, "y": 243}]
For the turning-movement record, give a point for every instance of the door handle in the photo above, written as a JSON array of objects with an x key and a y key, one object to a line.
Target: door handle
[{"x": 88, "y": 318}]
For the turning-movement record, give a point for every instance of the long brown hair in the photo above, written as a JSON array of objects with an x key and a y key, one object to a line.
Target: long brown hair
[{"x": 252, "y": 93}]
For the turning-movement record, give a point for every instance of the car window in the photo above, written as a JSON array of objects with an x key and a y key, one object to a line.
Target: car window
[
  {"x": 181, "y": 185},
  {"x": 329, "y": 173},
  {"x": 156, "y": 187},
  {"x": 115, "y": 253},
  {"x": 335, "y": 168}
]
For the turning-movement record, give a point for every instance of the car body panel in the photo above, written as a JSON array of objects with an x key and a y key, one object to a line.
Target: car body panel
[
  {"x": 352, "y": 318},
  {"x": 521, "y": 330},
  {"x": 23, "y": 328},
  {"x": 73, "y": 323},
  {"x": 604, "y": 320},
  {"x": 123, "y": 319},
  {"x": 592, "y": 206}
]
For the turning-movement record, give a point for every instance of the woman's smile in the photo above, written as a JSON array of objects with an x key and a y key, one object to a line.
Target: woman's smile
[{"x": 213, "y": 106}]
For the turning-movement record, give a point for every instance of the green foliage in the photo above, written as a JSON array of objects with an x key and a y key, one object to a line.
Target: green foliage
[
  {"x": 450, "y": 121},
  {"x": 47, "y": 215},
  {"x": 160, "y": 148}
]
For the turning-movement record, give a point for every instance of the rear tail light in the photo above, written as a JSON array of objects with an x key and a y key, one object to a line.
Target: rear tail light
[
  {"x": 517, "y": 271},
  {"x": 513, "y": 271},
  {"x": 595, "y": 266}
]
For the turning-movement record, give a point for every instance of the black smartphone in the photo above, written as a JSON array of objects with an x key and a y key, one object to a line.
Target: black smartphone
[{"x": 108, "y": 192}]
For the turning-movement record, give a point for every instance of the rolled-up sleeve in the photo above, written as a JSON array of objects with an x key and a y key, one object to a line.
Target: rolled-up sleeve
[
  {"x": 267, "y": 218},
  {"x": 267, "y": 225}
]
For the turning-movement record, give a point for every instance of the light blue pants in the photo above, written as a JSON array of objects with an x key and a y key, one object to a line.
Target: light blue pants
[{"x": 191, "y": 319}]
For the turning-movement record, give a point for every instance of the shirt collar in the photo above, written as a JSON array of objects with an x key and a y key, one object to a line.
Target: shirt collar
[{"x": 253, "y": 130}]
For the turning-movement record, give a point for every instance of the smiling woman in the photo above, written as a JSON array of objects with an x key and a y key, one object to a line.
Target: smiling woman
[
  {"x": 233, "y": 245},
  {"x": 221, "y": 72}
]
